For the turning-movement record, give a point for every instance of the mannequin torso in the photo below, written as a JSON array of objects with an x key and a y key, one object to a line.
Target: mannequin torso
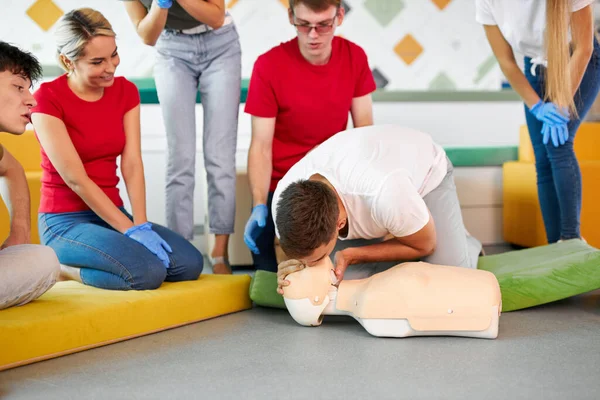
[{"x": 410, "y": 299}]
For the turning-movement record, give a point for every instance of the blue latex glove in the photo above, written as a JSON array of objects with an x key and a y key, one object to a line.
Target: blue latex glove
[
  {"x": 144, "y": 235},
  {"x": 558, "y": 132},
  {"x": 254, "y": 226},
  {"x": 164, "y": 3},
  {"x": 549, "y": 113}
]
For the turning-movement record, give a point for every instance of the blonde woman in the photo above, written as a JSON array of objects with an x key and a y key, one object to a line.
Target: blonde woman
[
  {"x": 197, "y": 49},
  {"x": 84, "y": 120},
  {"x": 559, "y": 85}
]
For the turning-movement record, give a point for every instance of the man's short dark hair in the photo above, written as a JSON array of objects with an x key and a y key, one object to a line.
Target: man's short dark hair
[
  {"x": 19, "y": 62},
  {"x": 307, "y": 213},
  {"x": 316, "y": 5}
]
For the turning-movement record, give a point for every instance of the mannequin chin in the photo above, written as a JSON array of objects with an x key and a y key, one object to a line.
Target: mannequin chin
[
  {"x": 304, "y": 312},
  {"x": 409, "y": 299},
  {"x": 307, "y": 296}
]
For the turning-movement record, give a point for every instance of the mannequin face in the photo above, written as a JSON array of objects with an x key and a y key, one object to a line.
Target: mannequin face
[
  {"x": 307, "y": 295},
  {"x": 311, "y": 282}
]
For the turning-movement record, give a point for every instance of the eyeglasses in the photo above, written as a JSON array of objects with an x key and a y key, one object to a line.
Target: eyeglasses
[{"x": 322, "y": 28}]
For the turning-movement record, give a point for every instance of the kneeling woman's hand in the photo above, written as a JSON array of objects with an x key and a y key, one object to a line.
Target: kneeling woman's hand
[{"x": 144, "y": 235}]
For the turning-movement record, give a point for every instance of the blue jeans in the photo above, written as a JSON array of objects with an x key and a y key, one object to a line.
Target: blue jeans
[
  {"x": 209, "y": 62},
  {"x": 558, "y": 174},
  {"x": 110, "y": 260}
]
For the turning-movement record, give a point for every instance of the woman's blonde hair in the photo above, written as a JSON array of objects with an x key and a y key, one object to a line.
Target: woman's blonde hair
[
  {"x": 558, "y": 76},
  {"x": 75, "y": 29}
]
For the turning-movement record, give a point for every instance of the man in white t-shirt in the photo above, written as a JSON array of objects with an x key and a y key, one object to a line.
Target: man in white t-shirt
[{"x": 390, "y": 185}]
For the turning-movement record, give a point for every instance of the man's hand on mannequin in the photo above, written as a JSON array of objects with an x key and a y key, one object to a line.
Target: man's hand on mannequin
[
  {"x": 341, "y": 261},
  {"x": 407, "y": 248}
]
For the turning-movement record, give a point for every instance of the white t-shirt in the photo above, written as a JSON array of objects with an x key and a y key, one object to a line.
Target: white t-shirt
[
  {"x": 522, "y": 22},
  {"x": 381, "y": 173}
]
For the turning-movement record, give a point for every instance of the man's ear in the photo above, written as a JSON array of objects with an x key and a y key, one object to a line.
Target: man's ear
[
  {"x": 291, "y": 16},
  {"x": 341, "y": 14},
  {"x": 341, "y": 223}
]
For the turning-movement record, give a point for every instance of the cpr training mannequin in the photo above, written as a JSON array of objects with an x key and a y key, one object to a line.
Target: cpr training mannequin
[{"x": 409, "y": 299}]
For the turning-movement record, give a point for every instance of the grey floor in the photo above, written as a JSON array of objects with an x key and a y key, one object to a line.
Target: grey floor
[{"x": 548, "y": 352}]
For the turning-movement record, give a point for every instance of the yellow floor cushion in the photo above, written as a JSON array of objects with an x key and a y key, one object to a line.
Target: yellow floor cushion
[
  {"x": 34, "y": 181},
  {"x": 72, "y": 317},
  {"x": 26, "y": 149}
]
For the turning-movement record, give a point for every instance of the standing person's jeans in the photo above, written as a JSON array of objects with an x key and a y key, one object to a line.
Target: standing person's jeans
[
  {"x": 110, "y": 260},
  {"x": 558, "y": 174},
  {"x": 211, "y": 63}
]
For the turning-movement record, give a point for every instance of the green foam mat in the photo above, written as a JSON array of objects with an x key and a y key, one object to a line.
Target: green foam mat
[
  {"x": 527, "y": 277},
  {"x": 544, "y": 274},
  {"x": 263, "y": 290}
]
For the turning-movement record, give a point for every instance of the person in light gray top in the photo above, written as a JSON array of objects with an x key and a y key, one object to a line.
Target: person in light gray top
[{"x": 198, "y": 48}]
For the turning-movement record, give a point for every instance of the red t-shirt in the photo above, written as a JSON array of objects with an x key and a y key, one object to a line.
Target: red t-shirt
[
  {"x": 97, "y": 132},
  {"x": 310, "y": 102}
]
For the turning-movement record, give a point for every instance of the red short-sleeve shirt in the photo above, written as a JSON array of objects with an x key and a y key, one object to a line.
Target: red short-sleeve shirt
[
  {"x": 97, "y": 132},
  {"x": 310, "y": 102}
]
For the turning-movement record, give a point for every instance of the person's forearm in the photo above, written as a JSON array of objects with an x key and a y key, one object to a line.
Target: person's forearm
[
  {"x": 361, "y": 120},
  {"x": 152, "y": 25},
  {"x": 519, "y": 82},
  {"x": 362, "y": 111},
  {"x": 259, "y": 174},
  {"x": 390, "y": 250},
  {"x": 99, "y": 202},
  {"x": 133, "y": 175},
  {"x": 15, "y": 193},
  {"x": 204, "y": 11},
  {"x": 578, "y": 64}
]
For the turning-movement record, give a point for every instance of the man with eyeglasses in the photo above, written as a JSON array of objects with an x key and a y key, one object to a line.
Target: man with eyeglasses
[{"x": 300, "y": 95}]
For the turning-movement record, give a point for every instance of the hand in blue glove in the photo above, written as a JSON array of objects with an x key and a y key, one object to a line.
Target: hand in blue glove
[
  {"x": 549, "y": 113},
  {"x": 558, "y": 132},
  {"x": 164, "y": 3},
  {"x": 144, "y": 235},
  {"x": 254, "y": 226}
]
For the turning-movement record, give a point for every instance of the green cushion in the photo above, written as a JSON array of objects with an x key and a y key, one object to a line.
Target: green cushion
[
  {"x": 263, "y": 290},
  {"x": 527, "y": 277},
  {"x": 481, "y": 156},
  {"x": 544, "y": 274},
  {"x": 148, "y": 94}
]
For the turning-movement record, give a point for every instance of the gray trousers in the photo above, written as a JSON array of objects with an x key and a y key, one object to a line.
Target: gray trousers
[
  {"x": 208, "y": 62},
  {"x": 26, "y": 272},
  {"x": 454, "y": 246}
]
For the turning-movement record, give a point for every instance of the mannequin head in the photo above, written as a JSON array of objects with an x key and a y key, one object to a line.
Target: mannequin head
[{"x": 307, "y": 295}]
